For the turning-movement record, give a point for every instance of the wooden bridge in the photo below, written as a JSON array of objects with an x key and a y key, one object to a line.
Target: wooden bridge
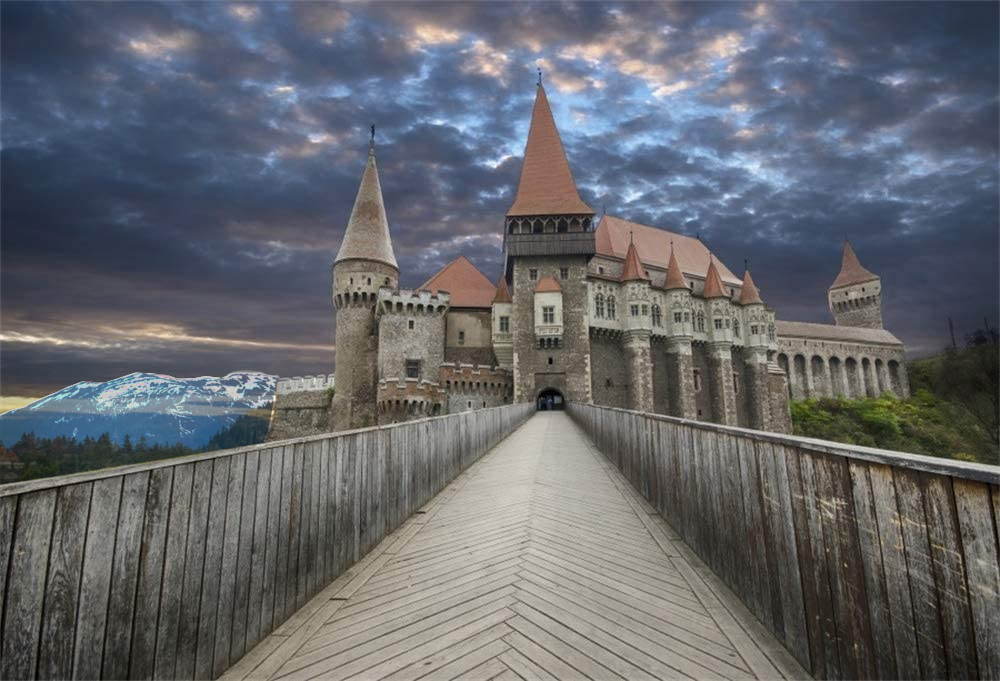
[{"x": 546, "y": 554}]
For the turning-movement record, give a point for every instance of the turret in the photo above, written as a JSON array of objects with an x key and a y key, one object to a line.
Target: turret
[
  {"x": 757, "y": 318},
  {"x": 856, "y": 294},
  {"x": 636, "y": 284},
  {"x": 679, "y": 321},
  {"x": 364, "y": 264},
  {"x": 718, "y": 308},
  {"x": 679, "y": 362}
]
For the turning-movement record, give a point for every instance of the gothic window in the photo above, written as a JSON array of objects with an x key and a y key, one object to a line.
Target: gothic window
[
  {"x": 687, "y": 316},
  {"x": 699, "y": 324},
  {"x": 718, "y": 323},
  {"x": 505, "y": 325},
  {"x": 611, "y": 307},
  {"x": 645, "y": 310},
  {"x": 634, "y": 309},
  {"x": 548, "y": 315},
  {"x": 678, "y": 317},
  {"x": 564, "y": 273},
  {"x": 753, "y": 329},
  {"x": 736, "y": 328},
  {"x": 657, "y": 316},
  {"x": 413, "y": 368},
  {"x": 599, "y": 306},
  {"x": 533, "y": 274},
  {"x": 697, "y": 380},
  {"x": 770, "y": 332}
]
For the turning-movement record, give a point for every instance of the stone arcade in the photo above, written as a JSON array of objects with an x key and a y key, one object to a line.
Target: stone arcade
[{"x": 608, "y": 312}]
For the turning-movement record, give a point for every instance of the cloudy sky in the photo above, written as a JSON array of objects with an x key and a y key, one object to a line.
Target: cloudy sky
[{"x": 176, "y": 178}]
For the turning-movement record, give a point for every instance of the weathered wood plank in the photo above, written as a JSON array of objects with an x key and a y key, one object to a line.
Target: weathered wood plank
[
  {"x": 982, "y": 564},
  {"x": 949, "y": 576},
  {"x": 230, "y": 559},
  {"x": 294, "y": 531},
  {"x": 258, "y": 551},
  {"x": 95, "y": 579},
  {"x": 62, "y": 587},
  {"x": 124, "y": 577},
  {"x": 191, "y": 613},
  {"x": 282, "y": 607},
  {"x": 212, "y": 572},
  {"x": 272, "y": 557},
  {"x": 174, "y": 564},
  {"x": 142, "y": 655},
  {"x": 8, "y": 513},
  {"x": 244, "y": 558}
]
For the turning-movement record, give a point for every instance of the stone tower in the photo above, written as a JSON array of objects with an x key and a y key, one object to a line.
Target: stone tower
[
  {"x": 856, "y": 294},
  {"x": 548, "y": 234},
  {"x": 637, "y": 332},
  {"x": 364, "y": 264}
]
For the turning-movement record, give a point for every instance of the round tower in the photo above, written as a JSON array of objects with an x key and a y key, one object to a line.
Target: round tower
[
  {"x": 364, "y": 264},
  {"x": 680, "y": 325},
  {"x": 856, "y": 294}
]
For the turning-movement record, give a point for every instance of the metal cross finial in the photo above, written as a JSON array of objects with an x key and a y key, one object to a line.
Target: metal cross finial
[
  {"x": 630, "y": 236},
  {"x": 539, "y": 76},
  {"x": 371, "y": 143},
  {"x": 746, "y": 264}
]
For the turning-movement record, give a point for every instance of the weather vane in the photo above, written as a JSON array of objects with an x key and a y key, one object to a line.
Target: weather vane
[
  {"x": 539, "y": 76},
  {"x": 371, "y": 142},
  {"x": 746, "y": 264}
]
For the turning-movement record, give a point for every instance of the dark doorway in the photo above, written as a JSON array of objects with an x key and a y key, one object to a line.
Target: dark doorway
[{"x": 550, "y": 399}]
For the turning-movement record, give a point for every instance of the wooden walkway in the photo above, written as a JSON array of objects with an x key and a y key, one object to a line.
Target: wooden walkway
[{"x": 539, "y": 562}]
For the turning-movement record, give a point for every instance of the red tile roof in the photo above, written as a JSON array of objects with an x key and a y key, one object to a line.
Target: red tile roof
[
  {"x": 467, "y": 285},
  {"x": 546, "y": 285},
  {"x": 675, "y": 278},
  {"x": 503, "y": 293},
  {"x": 633, "y": 266},
  {"x": 367, "y": 233},
  {"x": 546, "y": 186},
  {"x": 851, "y": 270},
  {"x": 713, "y": 282},
  {"x": 749, "y": 295},
  {"x": 612, "y": 239}
]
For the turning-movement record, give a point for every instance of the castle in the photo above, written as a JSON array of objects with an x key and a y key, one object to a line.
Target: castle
[{"x": 605, "y": 311}]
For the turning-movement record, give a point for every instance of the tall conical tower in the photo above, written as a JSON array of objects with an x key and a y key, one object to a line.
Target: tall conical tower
[
  {"x": 364, "y": 263},
  {"x": 548, "y": 234},
  {"x": 856, "y": 294}
]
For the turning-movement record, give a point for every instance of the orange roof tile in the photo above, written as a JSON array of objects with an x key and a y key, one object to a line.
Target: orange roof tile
[
  {"x": 546, "y": 186},
  {"x": 675, "y": 278},
  {"x": 633, "y": 266},
  {"x": 749, "y": 295},
  {"x": 467, "y": 285},
  {"x": 713, "y": 282},
  {"x": 851, "y": 270},
  {"x": 503, "y": 293},
  {"x": 367, "y": 234},
  {"x": 547, "y": 285},
  {"x": 654, "y": 244}
]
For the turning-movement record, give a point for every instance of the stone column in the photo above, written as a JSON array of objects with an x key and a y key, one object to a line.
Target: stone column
[
  {"x": 640, "y": 370},
  {"x": 680, "y": 379},
  {"x": 720, "y": 379},
  {"x": 781, "y": 417},
  {"x": 758, "y": 397},
  {"x": 882, "y": 372}
]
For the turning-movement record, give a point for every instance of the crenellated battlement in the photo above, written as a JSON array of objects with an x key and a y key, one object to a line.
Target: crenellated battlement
[
  {"x": 412, "y": 301},
  {"x": 404, "y": 399},
  {"x": 303, "y": 383},
  {"x": 479, "y": 379}
]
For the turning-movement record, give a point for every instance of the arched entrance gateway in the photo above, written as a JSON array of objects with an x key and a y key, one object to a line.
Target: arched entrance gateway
[{"x": 550, "y": 399}]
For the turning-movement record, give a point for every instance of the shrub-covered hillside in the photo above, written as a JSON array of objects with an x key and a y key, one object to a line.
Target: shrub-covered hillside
[{"x": 954, "y": 410}]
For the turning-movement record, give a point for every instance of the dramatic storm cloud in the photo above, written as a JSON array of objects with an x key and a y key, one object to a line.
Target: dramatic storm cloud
[{"x": 176, "y": 178}]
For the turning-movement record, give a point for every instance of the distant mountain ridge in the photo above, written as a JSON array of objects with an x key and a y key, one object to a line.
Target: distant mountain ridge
[{"x": 161, "y": 408}]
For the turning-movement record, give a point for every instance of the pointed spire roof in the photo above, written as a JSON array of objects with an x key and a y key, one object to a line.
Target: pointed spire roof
[
  {"x": 503, "y": 293},
  {"x": 547, "y": 285},
  {"x": 851, "y": 270},
  {"x": 713, "y": 282},
  {"x": 467, "y": 286},
  {"x": 633, "y": 270},
  {"x": 749, "y": 295},
  {"x": 675, "y": 278},
  {"x": 367, "y": 234},
  {"x": 546, "y": 186}
]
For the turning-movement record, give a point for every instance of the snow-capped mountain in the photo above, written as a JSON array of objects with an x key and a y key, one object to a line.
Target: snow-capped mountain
[{"x": 163, "y": 408}]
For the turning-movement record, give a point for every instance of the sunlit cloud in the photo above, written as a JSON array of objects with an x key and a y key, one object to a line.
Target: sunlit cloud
[
  {"x": 246, "y": 13},
  {"x": 426, "y": 35},
  {"x": 484, "y": 60},
  {"x": 146, "y": 336},
  {"x": 162, "y": 45}
]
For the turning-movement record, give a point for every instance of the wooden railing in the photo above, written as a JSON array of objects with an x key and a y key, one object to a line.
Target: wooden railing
[
  {"x": 175, "y": 569},
  {"x": 864, "y": 563}
]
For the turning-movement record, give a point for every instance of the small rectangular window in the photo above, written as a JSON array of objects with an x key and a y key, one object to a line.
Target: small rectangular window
[
  {"x": 687, "y": 316},
  {"x": 548, "y": 315},
  {"x": 564, "y": 273},
  {"x": 718, "y": 323},
  {"x": 461, "y": 337},
  {"x": 410, "y": 324},
  {"x": 697, "y": 380},
  {"x": 413, "y": 368},
  {"x": 505, "y": 325},
  {"x": 678, "y": 317},
  {"x": 634, "y": 309},
  {"x": 600, "y": 270},
  {"x": 532, "y": 274},
  {"x": 645, "y": 310},
  {"x": 736, "y": 384}
]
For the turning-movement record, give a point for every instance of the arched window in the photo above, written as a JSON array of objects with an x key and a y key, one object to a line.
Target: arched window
[
  {"x": 599, "y": 306},
  {"x": 699, "y": 323},
  {"x": 657, "y": 316},
  {"x": 770, "y": 332},
  {"x": 611, "y": 307},
  {"x": 736, "y": 328}
]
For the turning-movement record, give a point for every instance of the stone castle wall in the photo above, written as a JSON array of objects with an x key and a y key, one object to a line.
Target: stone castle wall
[
  {"x": 299, "y": 413},
  {"x": 822, "y": 368}
]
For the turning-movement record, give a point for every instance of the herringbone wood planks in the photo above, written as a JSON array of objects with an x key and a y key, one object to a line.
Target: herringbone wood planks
[{"x": 537, "y": 563}]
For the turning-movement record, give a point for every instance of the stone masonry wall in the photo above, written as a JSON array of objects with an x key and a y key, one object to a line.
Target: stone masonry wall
[
  {"x": 398, "y": 343},
  {"x": 610, "y": 379},
  {"x": 299, "y": 414}
]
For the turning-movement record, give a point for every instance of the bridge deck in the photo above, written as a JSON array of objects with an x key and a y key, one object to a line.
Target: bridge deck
[{"x": 538, "y": 562}]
